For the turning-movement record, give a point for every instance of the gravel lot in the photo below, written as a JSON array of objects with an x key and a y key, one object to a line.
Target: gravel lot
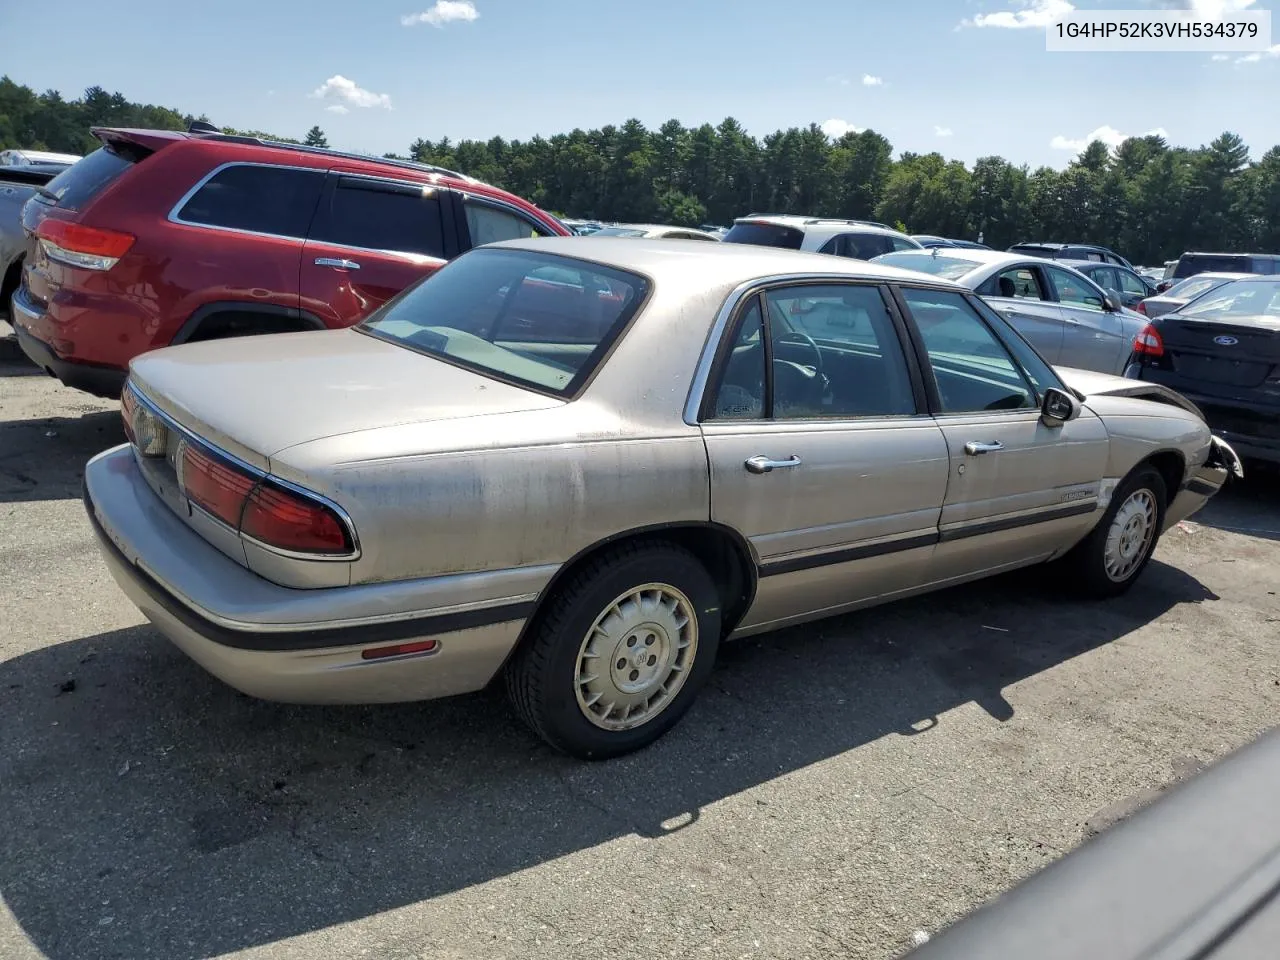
[{"x": 839, "y": 788}]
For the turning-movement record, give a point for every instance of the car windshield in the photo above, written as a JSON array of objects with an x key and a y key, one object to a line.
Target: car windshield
[
  {"x": 947, "y": 266},
  {"x": 1192, "y": 288},
  {"x": 618, "y": 232},
  {"x": 1239, "y": 298},
  {"x": 533, "y": 319}
]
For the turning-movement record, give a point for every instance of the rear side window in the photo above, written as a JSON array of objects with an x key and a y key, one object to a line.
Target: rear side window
[
  {"x": 1265, "y": 265},
  {"x": 765, "y": 235},
  {"x": 257, "y": 198},
  {"x": 84, "y": 180},
  {"x": 381, "y": 215}
]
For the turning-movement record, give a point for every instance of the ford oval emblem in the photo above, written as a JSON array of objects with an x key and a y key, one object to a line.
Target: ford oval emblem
[{"x": 1225, "y": 341}]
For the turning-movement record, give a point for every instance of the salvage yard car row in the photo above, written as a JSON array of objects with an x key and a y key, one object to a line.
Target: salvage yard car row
[{"x": 575, "y": 465}]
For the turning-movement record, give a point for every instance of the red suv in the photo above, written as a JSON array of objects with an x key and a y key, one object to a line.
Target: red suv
[{"x": 160, "y": 238}]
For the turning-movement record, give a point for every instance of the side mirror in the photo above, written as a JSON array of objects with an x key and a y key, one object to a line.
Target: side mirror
[
  {"x": 1110, "y": 304},
  {"x": 1058, "y": 407}
]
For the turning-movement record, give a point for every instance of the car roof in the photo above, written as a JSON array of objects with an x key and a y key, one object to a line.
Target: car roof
[
  {"x": 977, "y": 257},
  {"x": 1077, "y": 264},
  {"x": 820, "y": 224},
  {"x": 717, "y": 264},
  {"x": 1205, "y": 253}
]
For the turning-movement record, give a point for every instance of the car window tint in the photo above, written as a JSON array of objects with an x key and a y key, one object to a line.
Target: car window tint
[
  {"x": 835, "y": 354},
  {"x": 900, "y": 244},
  {"x": 379, "y": 215},
  {"x": 488, "y": 224},
  {"x": 972, "y": 369},
  {"x": 1034, "y": 366},
  {"x": 765, "y": 235},
  {"x": 80, "y": 183},
  {"x": 1020, "y": 282},
  {"x": 1130, "y": 283},
  {"x": 263, "y": 199},
  {"x": 1072, "y": 290},
  {"x": 740, "y": 395}
]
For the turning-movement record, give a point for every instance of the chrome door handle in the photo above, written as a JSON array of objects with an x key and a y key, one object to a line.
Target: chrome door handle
[
  {"x": 762, "y": 464},
  {"x": 337, "y": 263},
  {"x": 975, "y": 447}
]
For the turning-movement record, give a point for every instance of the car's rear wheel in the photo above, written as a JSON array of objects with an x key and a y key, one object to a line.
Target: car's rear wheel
[
  {"x": 1110, "y": 559},
  {"x": 619, "y": 651}
]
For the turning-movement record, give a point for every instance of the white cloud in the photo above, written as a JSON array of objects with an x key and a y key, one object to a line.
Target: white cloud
[
  {"x": 1108, "y": 135},
  {"x": 341, "y": 92},
  {"x": 444, "y": 11},
  {"x": 836, "y": 128},
  {"x": 869, "y": 81},
  {"x": 337, "y": 108},
  {"x": 1209, "y": 9},
  {"x": 942, "y": 131},
  {"x": 1030, "y": 13},
  {"x": 1271, "y": 53}
]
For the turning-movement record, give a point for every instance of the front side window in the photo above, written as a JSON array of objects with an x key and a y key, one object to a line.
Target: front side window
[
  {"x": 489, "y": 224},
  {"x": 257, "y": 198},
  {"x": 1074, "y": 291},
  {"x": 899, "y": 243},
  {"x": 536, "y": 320},
  {"x": 1130, "y": 284},
  {"x": 832, "y": 352},
  {"x": 971, "y": 368}
]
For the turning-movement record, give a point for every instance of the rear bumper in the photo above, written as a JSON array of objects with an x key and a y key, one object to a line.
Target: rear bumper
[
  {"x": 102, "y": 381},
  {"x": 246, "y": 631}
]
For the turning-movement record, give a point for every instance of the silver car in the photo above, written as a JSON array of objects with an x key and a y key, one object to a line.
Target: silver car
[
  {"x": 1184, "y": 291},
  {"x": 582, "y": 464},
  {"x": 1070, "y": 319}
]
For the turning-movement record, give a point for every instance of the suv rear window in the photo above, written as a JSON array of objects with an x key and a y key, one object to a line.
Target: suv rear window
[
  {"x": 257, "y": 197},
  {"x": 765, "y": 235},
  {"x": 84, "y": 180},
  {"x": 1191, "y": 264}
]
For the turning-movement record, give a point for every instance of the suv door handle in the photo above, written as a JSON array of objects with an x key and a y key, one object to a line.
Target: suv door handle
[
  {"x": 337, "y": 263},
  {"x": 762, "y": 464},
  {"x": 975, "y": 447}
]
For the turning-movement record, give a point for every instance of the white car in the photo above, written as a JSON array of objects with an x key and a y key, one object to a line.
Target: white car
[
  {"x": 857, "y": 239},
  {"x": 653, "y": 231}
]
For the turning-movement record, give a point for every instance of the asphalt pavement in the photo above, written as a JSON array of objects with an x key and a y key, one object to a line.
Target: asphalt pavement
[{"x": 842, "y": 789}]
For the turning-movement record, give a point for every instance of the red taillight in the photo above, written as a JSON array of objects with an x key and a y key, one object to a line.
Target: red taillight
[
  {"x": 79, "y": 246},
  {"x": 1148, "y": 342},
  {"x": 214, "y": 485},
  {"x": 1141, "y": 307},
  {"x": 290, "y": 521}
]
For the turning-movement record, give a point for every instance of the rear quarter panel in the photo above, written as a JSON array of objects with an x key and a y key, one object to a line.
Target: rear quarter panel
[{"x": 494, "y": 493}]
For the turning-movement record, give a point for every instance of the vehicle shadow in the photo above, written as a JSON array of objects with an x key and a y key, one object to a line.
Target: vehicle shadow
[
  {"x": 43, "y": 459},
  {"x": 151, "y": 811},
  {"x": 1250, "y": 506}
]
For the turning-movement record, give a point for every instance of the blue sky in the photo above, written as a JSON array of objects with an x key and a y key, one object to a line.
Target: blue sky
[{"x": 477, "y": 68}]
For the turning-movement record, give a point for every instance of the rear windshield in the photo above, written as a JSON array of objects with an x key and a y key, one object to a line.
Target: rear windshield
[
  {"x": 1190, "y": 289},
  {"x": 87, "y": 178},
  {"x": 1035, "y": 250},
  {"x": 1239, "y": 298},
  {"x": 1189, "y": 266},
  {"x": 619, "y": 232},
  {"x": 947, "y": 267},
  {"x": 765, "y": 235},
  {"x": 531, "y": 319}
]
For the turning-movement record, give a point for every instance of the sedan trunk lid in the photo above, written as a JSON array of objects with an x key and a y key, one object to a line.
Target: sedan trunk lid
[{"x": 257, "y": 396}]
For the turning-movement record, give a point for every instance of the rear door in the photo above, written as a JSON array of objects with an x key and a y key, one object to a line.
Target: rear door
[
  {"x": 371, "y": 238},
  {"x": 1094, "y": 338},
  {"x": 1022, "y": 295},
  {"x": 1017, "y": 490}
]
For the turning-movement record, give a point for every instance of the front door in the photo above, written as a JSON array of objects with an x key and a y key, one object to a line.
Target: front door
[
  {"x": 821, "y": 453},
  {"x": 371, "y": 238},
  {"x": 1095, "y": 337},
  {"x": 1017, "y": 490}
]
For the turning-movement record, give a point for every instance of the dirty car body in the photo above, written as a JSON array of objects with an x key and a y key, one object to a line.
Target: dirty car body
[{"x": 582, "y": 464}]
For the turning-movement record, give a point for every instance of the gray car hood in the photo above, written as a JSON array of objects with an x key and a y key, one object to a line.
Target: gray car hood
[
  {"x": 1088, "y": 383},
  {"x": 259, "y": 395}
]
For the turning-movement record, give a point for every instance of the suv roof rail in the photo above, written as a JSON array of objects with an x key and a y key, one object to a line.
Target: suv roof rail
[
  {"x": 860, "y": 223},
  {"x": 326, "y": 151}
]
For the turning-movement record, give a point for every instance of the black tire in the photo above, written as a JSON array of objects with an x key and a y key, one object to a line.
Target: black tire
[
  {"x": 1086, "y": 562},
  {"x": 542, "y": 675}
]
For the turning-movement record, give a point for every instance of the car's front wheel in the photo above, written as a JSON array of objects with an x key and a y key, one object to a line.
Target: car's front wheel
[
  {"x": 619, "y": 651},
  {"x": 1109, "y": 560}
]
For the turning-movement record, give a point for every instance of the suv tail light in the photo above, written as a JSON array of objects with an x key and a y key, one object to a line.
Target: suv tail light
[
  {"x": 260, "y": 508},
  {"x": 1141, "y": 307},
  {"x": 1149, "y": 343},
  {"x": 90, "y": 248}
]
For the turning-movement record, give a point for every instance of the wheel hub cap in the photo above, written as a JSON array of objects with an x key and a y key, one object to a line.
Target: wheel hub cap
[
  {"x": 1128, "y": 539},
  {"x": 635, "y": 658}
]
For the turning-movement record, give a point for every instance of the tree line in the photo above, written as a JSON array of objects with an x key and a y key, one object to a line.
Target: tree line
[{"x": 1146, "y": 198}]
